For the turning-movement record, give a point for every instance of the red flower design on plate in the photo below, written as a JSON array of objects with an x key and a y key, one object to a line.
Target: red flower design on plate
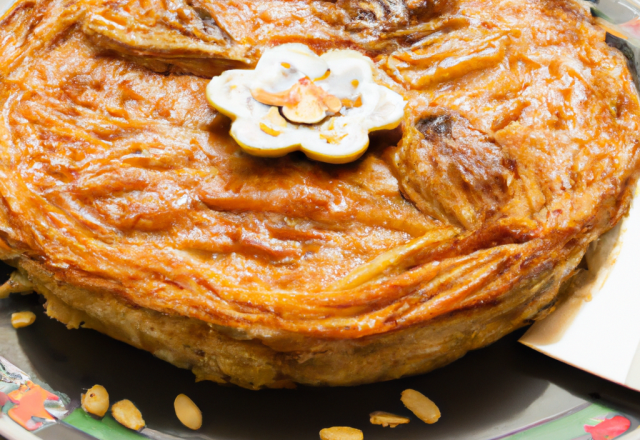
[
  {"x": 29, "y": 402},
  {"x": 608, "y": 429}
]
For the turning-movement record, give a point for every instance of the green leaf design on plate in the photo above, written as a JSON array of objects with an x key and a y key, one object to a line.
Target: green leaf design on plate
[{"x": 105, "y": 429}]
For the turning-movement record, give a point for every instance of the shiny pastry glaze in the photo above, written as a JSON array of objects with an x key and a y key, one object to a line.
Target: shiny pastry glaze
[{"x": 519, "y": 147}]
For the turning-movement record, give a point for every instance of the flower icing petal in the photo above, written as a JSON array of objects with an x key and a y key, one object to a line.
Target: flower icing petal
[
  {"x": 348, "y": 149},
  {"x": 388, "y": 112},
  {"x": 344, "y": 76},
  {"x": 283, "y": 66},
  {"x": 346, "y": 67},
  {"x": 230, "y": 95}
]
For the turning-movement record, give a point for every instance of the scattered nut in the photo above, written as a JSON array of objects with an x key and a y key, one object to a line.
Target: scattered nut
[
  {"x": 341, "y": 433},
  {"x": 187, "y": 411},
  {"x": 387, "y": 419},
  {"x": 96, "y": 400},
  {"x": 421, "y": 406},
  {"x": 22, "y": 319},
  {"x": 126, "y": 413}
]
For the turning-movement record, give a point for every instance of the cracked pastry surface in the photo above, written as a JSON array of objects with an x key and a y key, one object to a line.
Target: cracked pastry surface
[{"x": 128, "y": 205}]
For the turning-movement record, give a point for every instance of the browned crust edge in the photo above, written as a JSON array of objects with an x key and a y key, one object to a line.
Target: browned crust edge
[{"x": 227, "y": 355}]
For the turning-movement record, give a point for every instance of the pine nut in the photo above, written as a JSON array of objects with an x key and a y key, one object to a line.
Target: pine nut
[
  {"x": 421, "y": 406},
  {"x": 387, "y": 419},
  {"x": 341, "y": 433},
  {"x": 188, "y": 412},
  {"x": 22, "y": 319},
  {"x": 96, "y": 400},
  {"x": 126, "y": 413}
]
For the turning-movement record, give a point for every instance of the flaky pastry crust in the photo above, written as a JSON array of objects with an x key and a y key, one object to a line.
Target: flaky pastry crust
[{"x": 128, "y": 206}]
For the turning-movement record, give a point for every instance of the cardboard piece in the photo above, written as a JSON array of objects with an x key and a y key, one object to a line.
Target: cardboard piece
[{"x": 598, "y": 328}]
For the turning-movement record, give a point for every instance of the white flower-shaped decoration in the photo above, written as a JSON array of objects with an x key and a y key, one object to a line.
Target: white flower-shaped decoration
[{"x": 296, "y": 100}]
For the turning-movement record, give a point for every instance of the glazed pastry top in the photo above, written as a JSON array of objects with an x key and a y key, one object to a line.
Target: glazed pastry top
[{"x": 519, "y": 147}]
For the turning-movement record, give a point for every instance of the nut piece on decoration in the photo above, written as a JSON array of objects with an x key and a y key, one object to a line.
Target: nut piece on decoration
[
  {"x": 341, "y": 433},
  {"x": 96, "y": 400},
  {"x": 22, "y": 319},
  {"x": 188, "y": 412},
  {"x": 126, "y": 413},
  {"x": 325, "y": 105},
  {"x": 421, "y": 406},
  {"x": 387, "y": 419},
  {"x": 304, "y": 102}
]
